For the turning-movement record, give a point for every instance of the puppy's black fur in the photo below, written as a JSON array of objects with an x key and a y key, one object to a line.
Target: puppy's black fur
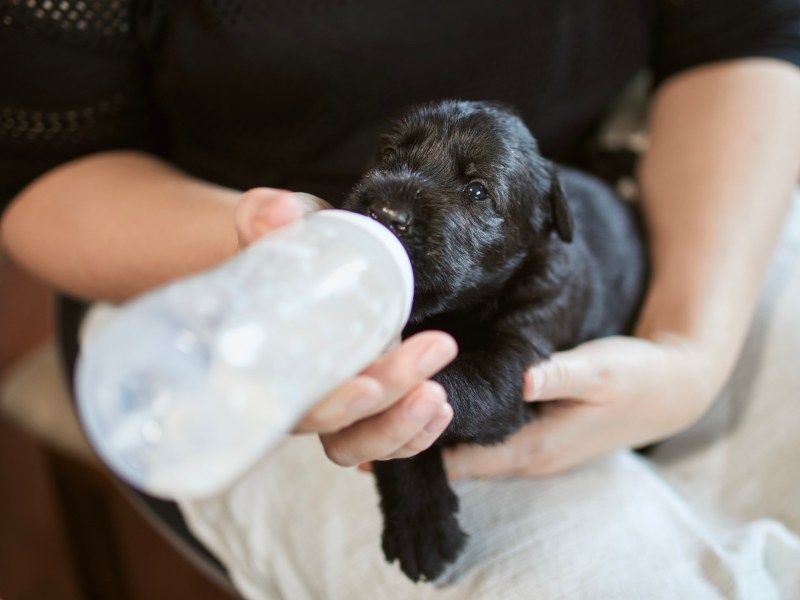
[{"x": 516, "y": 260}]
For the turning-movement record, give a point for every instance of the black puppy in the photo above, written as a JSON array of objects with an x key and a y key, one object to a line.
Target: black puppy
[{"x": 513, "y": 258}]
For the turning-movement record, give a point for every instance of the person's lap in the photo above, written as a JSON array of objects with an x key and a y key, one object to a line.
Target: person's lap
[{"x": 300, "y": 528}]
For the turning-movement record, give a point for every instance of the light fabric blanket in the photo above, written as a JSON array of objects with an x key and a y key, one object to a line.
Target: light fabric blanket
[{"x": 712, "y": 513}]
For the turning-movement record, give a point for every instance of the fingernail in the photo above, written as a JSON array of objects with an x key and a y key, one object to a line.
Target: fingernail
[
  {"x": 534, "y": 388},
  {"x": 422, "y": 410},
  {"x": 309, "y": 202},
  {"x": 440, "y": 421},
  {"x": 437, "y": 355},
  {"x": 276, "y": 212}
]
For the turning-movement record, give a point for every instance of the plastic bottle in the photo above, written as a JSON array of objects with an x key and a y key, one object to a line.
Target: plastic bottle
[{"x": 191, "y": 384}]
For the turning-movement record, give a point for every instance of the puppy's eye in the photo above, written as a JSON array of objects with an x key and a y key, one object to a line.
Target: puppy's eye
[
  {"x": 388, "y": 154},
  {"x": 477, "y": 191}
]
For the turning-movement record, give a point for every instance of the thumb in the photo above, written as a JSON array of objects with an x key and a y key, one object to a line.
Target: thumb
[
  {"x": 571, "y": 374},
  {"x": 263, "y": 210}
]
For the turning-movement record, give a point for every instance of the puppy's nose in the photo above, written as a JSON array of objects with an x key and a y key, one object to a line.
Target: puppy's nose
[{"x": 396, "y": 219}]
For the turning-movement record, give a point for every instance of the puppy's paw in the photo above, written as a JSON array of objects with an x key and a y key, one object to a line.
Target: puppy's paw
[{"x": 424, "y": 542}]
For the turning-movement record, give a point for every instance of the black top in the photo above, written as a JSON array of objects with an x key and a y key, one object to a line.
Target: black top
[{"x": 293, "y": 93}]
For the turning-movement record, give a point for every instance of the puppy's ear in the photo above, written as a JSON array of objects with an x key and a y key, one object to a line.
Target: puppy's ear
[
  {"x": 383, "y": 142},
  {"x": 561, "y": 214}
]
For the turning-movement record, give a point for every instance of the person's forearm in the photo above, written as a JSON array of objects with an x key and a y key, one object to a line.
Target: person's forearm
[
  {"x": 111, "y": 225},
  {"x": 716, "y": 184}
]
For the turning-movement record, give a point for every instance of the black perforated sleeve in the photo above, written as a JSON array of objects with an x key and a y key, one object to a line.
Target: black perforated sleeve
[
  {"x": 72, "y": 82},
  {"x": 693, "y": 32}
]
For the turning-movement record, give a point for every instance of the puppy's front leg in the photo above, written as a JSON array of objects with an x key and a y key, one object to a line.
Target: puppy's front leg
[
  {"x": 484, "y": 387},
  {"x": 419, "y": 512}
]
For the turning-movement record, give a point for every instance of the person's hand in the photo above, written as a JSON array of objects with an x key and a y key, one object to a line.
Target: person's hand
[
  {"x": 392, "y": 409},
  {"x": 604, "y": 395}
]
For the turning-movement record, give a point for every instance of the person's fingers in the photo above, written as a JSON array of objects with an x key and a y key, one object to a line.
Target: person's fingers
[
  {"x": 546, "y": 445},
  {"x": 418, "y": 358},
  {"x": 382, "y": 384},
  {"x": 465, "y": 461},
  {"x": 355, "y": 399},
  {"x": 565, "y": 375},
  {"x": 380, "y": 436},
  {"x": 425, "y": 438}
]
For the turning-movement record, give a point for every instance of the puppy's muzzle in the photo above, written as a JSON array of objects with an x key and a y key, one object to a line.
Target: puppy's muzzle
[
  {"x": 390, "y": 201},
  {"x": 396, "y": 219}
]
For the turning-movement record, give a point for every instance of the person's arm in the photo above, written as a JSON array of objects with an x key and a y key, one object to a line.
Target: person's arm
[
  {"x": 114, "y": 224},
  {"x": 717, "y": 182}
]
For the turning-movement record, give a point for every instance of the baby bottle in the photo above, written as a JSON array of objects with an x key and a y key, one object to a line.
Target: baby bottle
[{"x": 193, "y": 382}]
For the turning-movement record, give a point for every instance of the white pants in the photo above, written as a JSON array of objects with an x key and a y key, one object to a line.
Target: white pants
[{"x": 713, "y": 513}]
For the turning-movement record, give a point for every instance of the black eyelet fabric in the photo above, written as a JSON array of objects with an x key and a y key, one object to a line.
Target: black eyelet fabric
[
  {"x": 73, "y": 81},
  {"x": 81, "y": 22},
  {"x": 67, "y": 126}
]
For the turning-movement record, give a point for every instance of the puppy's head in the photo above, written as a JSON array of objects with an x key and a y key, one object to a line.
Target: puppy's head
[{"x": 464, "y": 188}]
